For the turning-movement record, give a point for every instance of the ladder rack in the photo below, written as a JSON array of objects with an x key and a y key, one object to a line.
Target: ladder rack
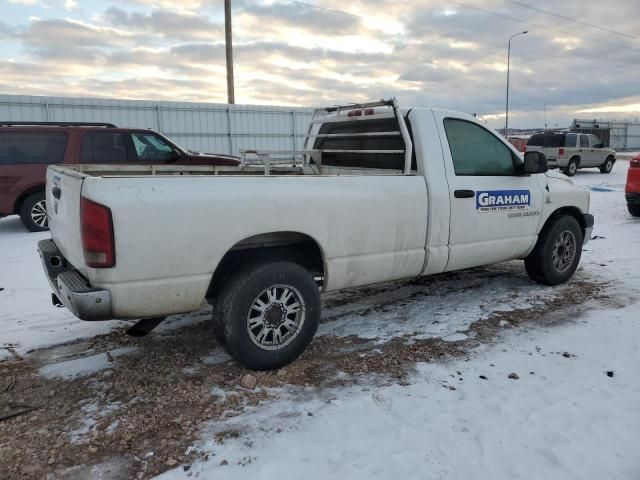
[{"x": 312, "y": 158}]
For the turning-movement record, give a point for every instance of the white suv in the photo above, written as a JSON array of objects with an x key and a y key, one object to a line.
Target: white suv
[{"x": 571, "y": 151}]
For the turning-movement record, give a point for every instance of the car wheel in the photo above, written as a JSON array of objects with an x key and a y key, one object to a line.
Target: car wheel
[
  {"x": 557, "y": 253},
  {"x": 572, "y": 167},
  {"x": 634, "y": 209},
  {"x": 607, "y": 166},
  {"x": 33, "y": 212},
  {"x": 269, "y": 313}
]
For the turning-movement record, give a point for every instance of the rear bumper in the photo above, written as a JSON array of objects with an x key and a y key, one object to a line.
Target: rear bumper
[
  {"x": 71, "y": 288},
  {"x": 588, "y": 221}
]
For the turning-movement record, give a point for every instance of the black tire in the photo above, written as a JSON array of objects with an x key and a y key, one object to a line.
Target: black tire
[
  {"x": 33, "y": 212},
  {"x": 607, "y": 166},
  {"x": 541, "y": 264},
  {"x": 251, "y": 286},
  {"x": 572, "y": 167},
  {"x": 634, "y": 210}
]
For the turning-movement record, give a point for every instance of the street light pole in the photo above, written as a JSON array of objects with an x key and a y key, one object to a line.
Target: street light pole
[
  {"x": 229, "y": 47},
  {"x": 506, "y": 118}
]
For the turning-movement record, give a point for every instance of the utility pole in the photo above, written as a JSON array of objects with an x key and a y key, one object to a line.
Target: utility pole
[
  {"x": 229, "y": 47},
  {"x": 506, "y": 118}
]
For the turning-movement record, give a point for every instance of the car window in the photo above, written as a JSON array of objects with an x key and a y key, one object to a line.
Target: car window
[
  {"x": 32, "y": 148},
  {"x": 476, "y": 151},
  {"x": 570, "y": 140},
  {"x": 595, "y": 140},
  {"x": 584, "y": 141},
  {"x": 103, "y": 147},
  {"x": 152, "y": 148},
  {"x": 546, "y": 140}
]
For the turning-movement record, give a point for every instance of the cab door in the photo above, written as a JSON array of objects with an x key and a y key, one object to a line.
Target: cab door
[{"x": 495, "y": 211}]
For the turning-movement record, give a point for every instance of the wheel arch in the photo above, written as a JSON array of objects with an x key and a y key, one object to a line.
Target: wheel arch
[
  {"x": 298, "y": 247},
  {"x": 26, "y": 192},
  {"x": 567, "y": 210}
]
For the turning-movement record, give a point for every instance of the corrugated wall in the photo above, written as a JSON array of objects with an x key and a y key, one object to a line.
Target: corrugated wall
[
  {"x": 209, "y": 127},
  {"x": 623, "y": 135}
]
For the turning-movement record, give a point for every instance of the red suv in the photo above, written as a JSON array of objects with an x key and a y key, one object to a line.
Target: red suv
[
  {"x": 632, "y": 190},
  {"x": 27, "y": 148}
]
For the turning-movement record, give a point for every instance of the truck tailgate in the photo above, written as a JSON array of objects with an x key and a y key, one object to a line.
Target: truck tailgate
[{"x": 64, "y": 187}]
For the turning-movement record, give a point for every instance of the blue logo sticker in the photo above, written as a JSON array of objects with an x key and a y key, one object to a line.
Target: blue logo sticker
[{"x": 499, "y": 200}]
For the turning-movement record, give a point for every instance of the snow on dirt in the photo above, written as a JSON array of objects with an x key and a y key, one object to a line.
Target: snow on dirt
[{"x": 568, "y": 412}]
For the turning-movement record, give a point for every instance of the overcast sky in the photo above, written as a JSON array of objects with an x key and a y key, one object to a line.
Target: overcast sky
[{"x": 441, "y": 53}]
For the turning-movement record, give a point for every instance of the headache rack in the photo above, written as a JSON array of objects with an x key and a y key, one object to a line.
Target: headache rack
[
  {"x": 57, "y": 124},
  {"x": 311, "y": 158}
]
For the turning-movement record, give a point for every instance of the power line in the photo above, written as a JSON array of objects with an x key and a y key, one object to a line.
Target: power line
[
  {"x": 457, "y": 38},
  {"x": 569, "y": 19},
  {"x": 537, "y": 25}
]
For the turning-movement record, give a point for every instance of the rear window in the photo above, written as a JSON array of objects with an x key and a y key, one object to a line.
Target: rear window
[
  {"x": 571, "y": 140},
  {"x": 389, "y": 161},
  {"x": 17, "y": 148},
  {"x": 553, "y": 140}
]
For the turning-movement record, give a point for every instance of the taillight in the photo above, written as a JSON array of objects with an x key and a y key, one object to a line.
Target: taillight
[
  {"x": 524, "y": 148},
  {"x": 635, "y": 162},
  {"x": 96, "y": 226},
  {"x": 560, "y": 151}
]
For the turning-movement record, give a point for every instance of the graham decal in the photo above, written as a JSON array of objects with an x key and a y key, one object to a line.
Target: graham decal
[{"x": 499, "y": 200}]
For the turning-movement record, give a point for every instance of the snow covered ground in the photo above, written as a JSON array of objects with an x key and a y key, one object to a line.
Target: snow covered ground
[
  {"x": 564, "y": 417},
  {"x": 571, "y": 413}
]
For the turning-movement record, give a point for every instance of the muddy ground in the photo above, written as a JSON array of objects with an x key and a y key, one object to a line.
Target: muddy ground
[{"x": 149, "y": 411}]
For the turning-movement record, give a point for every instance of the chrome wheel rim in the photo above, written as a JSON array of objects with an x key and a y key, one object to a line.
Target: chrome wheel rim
[
  {"x": 276, "y": 317},
  {"x": 573, "y": 168},
  {"x": 564, "y": 251},
  {"x": 39, "y": 214},
  {"x": 609, "y": 165}
]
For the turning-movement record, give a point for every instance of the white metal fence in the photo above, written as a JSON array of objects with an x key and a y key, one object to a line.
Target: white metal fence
[{"x": 208, "y": 127}]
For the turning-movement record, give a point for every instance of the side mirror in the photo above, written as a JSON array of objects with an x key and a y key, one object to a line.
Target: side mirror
[{"x": 535, "y": 162}]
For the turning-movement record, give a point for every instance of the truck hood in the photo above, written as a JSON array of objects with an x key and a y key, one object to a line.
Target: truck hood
[
  {"x": 213, "y": 158},
  {"x": 557, "y": 175}
]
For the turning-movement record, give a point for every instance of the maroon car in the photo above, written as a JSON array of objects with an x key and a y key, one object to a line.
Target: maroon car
[{"x": 27, "y": 148}]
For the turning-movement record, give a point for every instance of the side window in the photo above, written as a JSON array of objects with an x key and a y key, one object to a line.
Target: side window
[
  {"x": 476, "y": 151},
  {"x": 584, "y": 141},
  {"x": 103, "y": 147},
  {"x": 151, "y": 148},
  {"x": 32, "y": 148},
  {"x": 570, "y": 140},
  {"x": 595, "y": 140}
]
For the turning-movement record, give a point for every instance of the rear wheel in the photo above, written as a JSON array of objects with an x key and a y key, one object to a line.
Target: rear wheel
[
  {"x": 572, "y": 167},
  {"x": 267, "y": 314},
  {"x": 634, "y": 209},
  {"x": 557, "y": 253},
  {"x": 607, "y": 166},
  {"x": 33, "y": 212}
]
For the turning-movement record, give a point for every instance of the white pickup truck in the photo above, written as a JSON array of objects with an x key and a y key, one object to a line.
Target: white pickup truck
[{"x": 380, "y": 193}]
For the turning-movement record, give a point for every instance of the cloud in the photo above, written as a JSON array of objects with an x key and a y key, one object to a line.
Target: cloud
[{"x": 423, "y": 52}]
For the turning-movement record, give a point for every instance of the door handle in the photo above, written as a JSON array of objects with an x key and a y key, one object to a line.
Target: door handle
[
  {"x": 464, "y": 193},
  {"x": 56, "y": 192}
]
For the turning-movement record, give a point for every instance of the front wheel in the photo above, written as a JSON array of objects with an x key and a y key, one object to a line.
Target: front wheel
[
  {"x": 571, "y": 168},
  {"x": 33, "y": 212},
  {"x": 634, "y": 210},
  {"x": 557, "y": 253},
  {"x": 269, "y": 312},
  {"x": 607, "y": 166}
]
